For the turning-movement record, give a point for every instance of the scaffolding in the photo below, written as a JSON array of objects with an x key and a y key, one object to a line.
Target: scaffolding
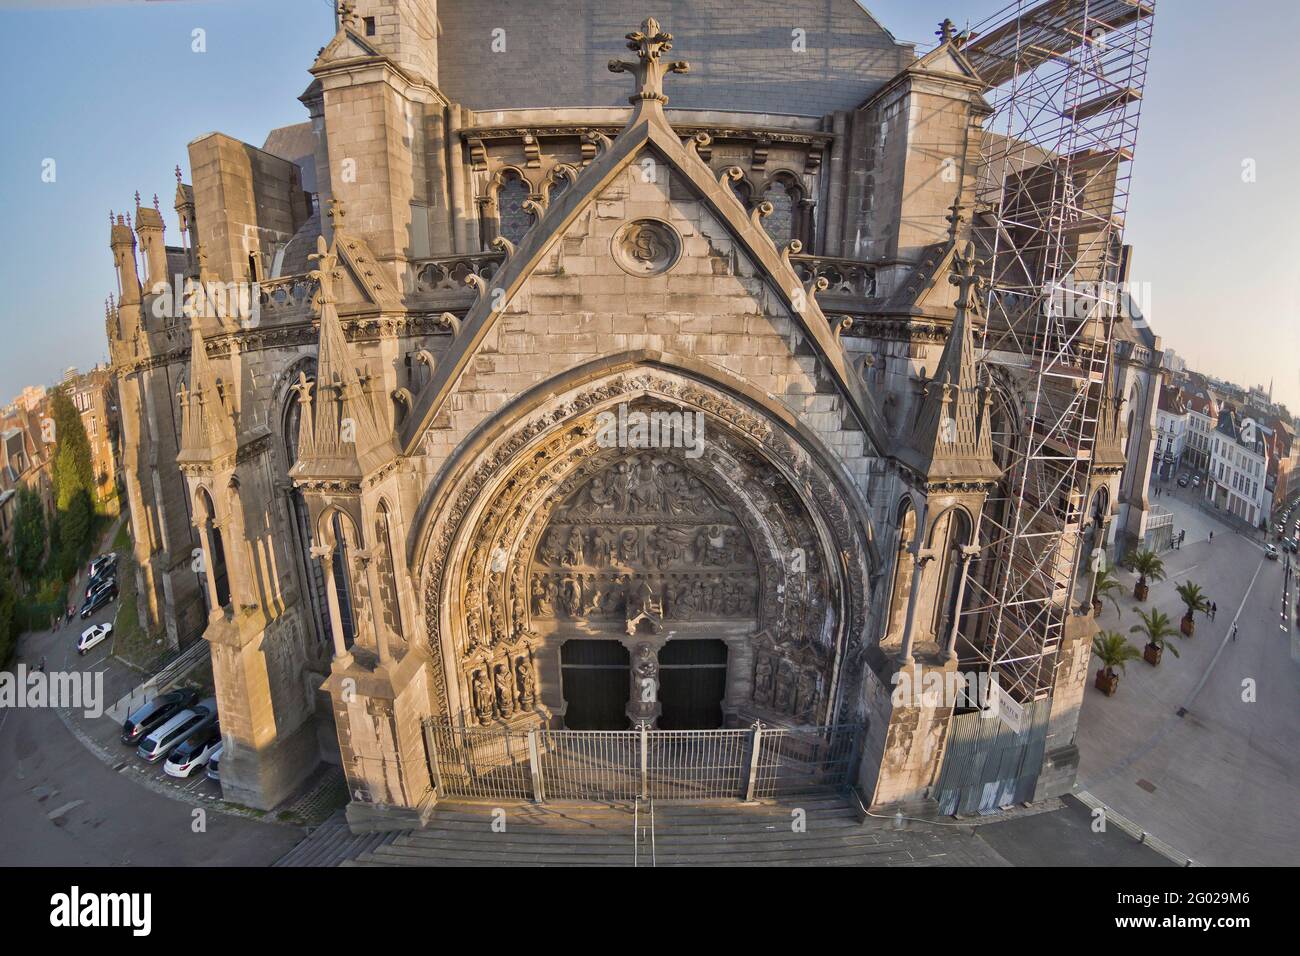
[{"x": 1064, "y": 80}]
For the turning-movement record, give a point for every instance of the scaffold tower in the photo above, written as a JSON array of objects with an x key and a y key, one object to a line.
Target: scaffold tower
[{"x": 1065, "y": 82}]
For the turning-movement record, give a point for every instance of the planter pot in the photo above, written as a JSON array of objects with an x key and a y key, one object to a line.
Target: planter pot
[
  {"x": 1107, "y": 683},
  {"x": 1141, "y": 591},
  {"x": 1187, "y": 625},
  {"x": 1152, "y": 654},
  {"x": 1096, "y": 607}
]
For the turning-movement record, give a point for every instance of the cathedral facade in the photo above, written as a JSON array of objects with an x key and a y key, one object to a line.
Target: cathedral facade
[{"x": 545, "y": 392}]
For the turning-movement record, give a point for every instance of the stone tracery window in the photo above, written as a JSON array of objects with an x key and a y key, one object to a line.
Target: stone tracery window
[
  {"x": 513, "y": 221},
  {"x": 786, "y": 220}
]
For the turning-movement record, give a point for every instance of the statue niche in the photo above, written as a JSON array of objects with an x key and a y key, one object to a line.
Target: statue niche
[{"x": 642, "y": 542}]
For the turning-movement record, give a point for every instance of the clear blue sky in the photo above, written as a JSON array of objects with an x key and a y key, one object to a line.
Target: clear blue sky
[{"x": 112, "y": 92}]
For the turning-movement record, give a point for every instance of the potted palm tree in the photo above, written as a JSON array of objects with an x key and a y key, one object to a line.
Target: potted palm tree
[
  {"x": 1148, "y": 566},
  {"x": 1106, "y": 585},
  {"x": 1195, "y": 601},
  {"x": 1158, "y": 629},
  {"x": 1113, "y": 651}
]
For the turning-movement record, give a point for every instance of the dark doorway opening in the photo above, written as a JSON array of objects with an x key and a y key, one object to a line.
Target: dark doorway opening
[
  {"x": 596, "y": 677},
  {"x": 692, "y": 683}
]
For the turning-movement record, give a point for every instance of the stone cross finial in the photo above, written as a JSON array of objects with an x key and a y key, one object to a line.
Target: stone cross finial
[
  {"x": 324, "y": 273},
  {"x": 649, "y": 43},
  {"x": 966, "y": 279},
  {"x": 347, "y": 14},
  {"x": 303, "y": 388},
  {"x": 155, "y": 202},
  {"x": 947, "y": 30},
  {"x": 336, "y": 213},
  {"x": 956, "y": 216},
  {"x": 137, "y": 199},
  {"x": 178, "y": 174}
]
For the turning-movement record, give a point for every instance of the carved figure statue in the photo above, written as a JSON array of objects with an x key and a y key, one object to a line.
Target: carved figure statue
[
  {"x": 763, "y": 680},
  {"x": 527, "y": 682},
  {"x": 482, "y": 697},
  {"x": 505, "y": 690},
  {"x": 574, "y": 551}
]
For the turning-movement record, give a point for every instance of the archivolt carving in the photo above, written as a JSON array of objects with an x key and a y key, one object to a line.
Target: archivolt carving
[{"x": 555, "y": 528}]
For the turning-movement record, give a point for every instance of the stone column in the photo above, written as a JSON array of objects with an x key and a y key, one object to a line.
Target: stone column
[
  {"x": 326, "y": 557},
  {"x": 919, "y": 560},
  {"x": 367, "y": 561},
  {"x": 951, "y": 649},
  {"x": 209, "y": 566}
]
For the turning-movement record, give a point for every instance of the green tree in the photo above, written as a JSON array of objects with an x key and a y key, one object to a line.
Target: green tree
[
  {"x": 8, "y": 610},
  {"x": 29, "y": 533},
  {"x": 73, "y": 466},
  {"x": 1107, "y": 585},
  {"x": 75, "y": 525},
  {"x": 1149, "y": 567},
  {"x": 1157, "y": 629},
  {"x": 1113, "y": 650}
]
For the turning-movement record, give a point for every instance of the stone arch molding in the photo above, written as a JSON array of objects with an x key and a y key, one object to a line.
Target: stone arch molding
[{"x": 789, "y": 508}]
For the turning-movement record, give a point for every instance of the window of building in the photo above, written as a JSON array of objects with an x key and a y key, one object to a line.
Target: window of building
[{"x": 514, "y": 221}]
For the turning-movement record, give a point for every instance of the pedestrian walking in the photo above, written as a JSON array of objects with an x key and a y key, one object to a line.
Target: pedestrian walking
[
  {"x": 1214, "y": 609},
  {"x": 1211, "y": 537},
  {"x": 1234, "y": 632},
  {"x": 41, "y": 666}
]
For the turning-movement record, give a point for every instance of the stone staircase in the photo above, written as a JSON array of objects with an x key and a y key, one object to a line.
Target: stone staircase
[{"x": 730, "y": 834}]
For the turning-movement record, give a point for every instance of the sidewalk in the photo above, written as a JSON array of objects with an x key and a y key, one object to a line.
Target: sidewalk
[{"x": 1198, "y": 517}]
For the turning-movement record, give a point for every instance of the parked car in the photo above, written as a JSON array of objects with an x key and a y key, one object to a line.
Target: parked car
[
  {"x": 1289, "y": 544},
  {"x": 101, "y": 562},
  {"x": 159, "y": 742},
  {"x": 214, "y": 763},
  {"x": 1183, "y": 481},
  {"x": 193, "y": 752},
  {"x": 95, "y": 634},
  {"x": 153, "y": 713},
  {"x": 101, "y": 597},
  {"x": 1196, "y": 481},
  {"x": 1270, "y": 552},
  {"x": 106, "y": 576}
]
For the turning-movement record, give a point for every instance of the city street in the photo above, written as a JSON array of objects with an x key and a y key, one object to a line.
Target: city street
[
  {"x": 1220, "y": 781},
  {"x": 62, "y": 806}
]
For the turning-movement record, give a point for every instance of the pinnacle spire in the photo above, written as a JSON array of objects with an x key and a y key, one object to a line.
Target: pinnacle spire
[
  {"x": 207, "y": 430},
  {"x": 951, "y": 437},
  {"x": 346, "y": 436}
]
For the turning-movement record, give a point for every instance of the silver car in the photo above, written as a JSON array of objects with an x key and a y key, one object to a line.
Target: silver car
[{"x": 160, "y": 741}]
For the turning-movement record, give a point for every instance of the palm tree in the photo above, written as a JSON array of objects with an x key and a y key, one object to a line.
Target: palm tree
[
  {"x": 1158, "y": 629},
  {"x": 1194, "y": 598},
  {"x": 1106, "y": 585},
  {"x": 1113, "y": 651},
  {"x": 1149, "y": 566}
]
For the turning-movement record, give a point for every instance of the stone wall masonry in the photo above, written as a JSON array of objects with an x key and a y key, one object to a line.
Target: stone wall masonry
[{"x": 712, "y": 306}]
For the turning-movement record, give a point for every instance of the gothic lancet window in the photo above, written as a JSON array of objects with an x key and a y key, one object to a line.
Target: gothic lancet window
[
  {"x": 513, "y": 220},
  {"x": 343, "y": 580},
  {"x": 309, "y": 568},
  {"x": 786, "y": 196}
]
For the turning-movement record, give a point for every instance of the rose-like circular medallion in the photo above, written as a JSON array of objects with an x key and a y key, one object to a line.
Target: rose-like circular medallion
[{"x": 646, "y": 247}]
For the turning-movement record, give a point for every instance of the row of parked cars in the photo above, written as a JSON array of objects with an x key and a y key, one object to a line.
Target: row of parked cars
[
  {"x": 179, "y": 728},
  {"x": 101, "y": 588},
  {"x": 1290, "y": 543}
]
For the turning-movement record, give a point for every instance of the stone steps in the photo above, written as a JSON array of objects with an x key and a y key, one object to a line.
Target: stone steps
[{"x": 332, "y": 844}]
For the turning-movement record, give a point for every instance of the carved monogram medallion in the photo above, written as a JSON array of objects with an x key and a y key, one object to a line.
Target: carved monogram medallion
[{"x": 646, "y": 247}]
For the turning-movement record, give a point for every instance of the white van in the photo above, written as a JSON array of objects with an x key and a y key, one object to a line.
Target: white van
[{"x": 160, "y": 741}]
